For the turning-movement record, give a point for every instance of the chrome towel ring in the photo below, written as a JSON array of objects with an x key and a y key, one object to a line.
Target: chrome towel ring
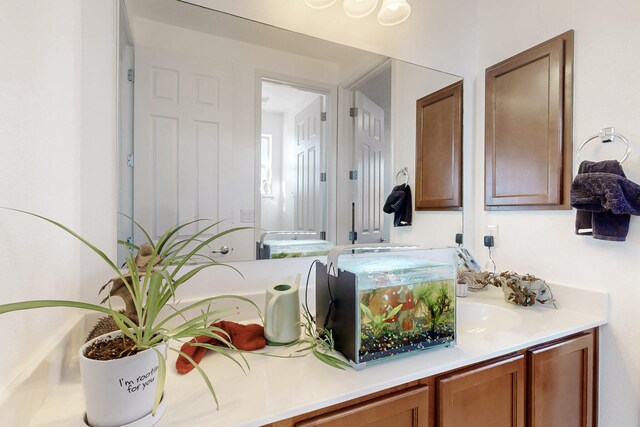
[
  {"x": 607, "y": 135},
  {"x": 404, "y": 171}
]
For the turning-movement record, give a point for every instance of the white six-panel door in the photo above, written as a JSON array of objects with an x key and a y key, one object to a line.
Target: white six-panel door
[
  {"x": 182, "y": 147},
  {"x": 370, "y": 151},
  {"x": 308, "y": 140}
]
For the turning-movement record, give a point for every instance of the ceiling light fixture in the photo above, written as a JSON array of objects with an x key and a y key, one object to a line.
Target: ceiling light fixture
[
  {"x": 319, "y": 4},
  {"x": 359, "y": 8},
  {"x": 392, "y": 12}
]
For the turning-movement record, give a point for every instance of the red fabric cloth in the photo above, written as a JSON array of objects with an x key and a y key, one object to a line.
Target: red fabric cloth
[{"x": 243, "y": 337}]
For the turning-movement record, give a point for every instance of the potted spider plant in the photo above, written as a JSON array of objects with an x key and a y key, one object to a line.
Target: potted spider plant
[{"x": 126, "y": 368}]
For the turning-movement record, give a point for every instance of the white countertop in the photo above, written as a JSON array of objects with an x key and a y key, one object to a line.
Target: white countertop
[{"x": 276, "y": 389}]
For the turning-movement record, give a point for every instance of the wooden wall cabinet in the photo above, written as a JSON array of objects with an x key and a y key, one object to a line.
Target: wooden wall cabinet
[
  {"x": 529, "y": 128},
  {"x": 439, "y": 150},
  {"x": 550, "y": 385}
]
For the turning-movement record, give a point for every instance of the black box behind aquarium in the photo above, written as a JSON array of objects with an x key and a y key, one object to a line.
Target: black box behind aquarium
[{"x": 384, "y": 305}]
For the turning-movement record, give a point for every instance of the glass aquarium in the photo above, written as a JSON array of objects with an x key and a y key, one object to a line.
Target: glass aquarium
[
  {"x": 272, "y": 249},
  {"x": 386, "y": 304}
]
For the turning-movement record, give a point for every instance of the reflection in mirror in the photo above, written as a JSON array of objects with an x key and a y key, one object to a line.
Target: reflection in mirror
[
  {"x": 292, "y": 142},
  {"x": 292, "y": 182},
  {"x": 224, "y": 112}
]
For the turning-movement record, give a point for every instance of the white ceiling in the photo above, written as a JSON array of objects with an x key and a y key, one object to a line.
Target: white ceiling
[{"x": 279, "y": 98}]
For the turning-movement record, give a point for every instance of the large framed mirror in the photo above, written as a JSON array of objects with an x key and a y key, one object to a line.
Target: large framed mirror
[{"x": 299, "y": 139}]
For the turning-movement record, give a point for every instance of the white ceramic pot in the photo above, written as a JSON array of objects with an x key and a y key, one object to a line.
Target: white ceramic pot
[{"x": 119, "y": 392}]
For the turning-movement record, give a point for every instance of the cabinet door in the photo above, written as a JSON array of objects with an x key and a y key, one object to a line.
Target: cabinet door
[
  {"x": 528, "y": 128},
  {"x": 439, "y": 149},
  {"x": 486, "y": 396},
  {"x": 561, "y": 383},
  {"x": 408, "y": 408}
]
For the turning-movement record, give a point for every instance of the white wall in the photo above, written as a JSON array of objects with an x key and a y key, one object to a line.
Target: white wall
[
  {"x": 39, "y": 169},
  {"x": 543, "y": 243},
  {"x": 44, "y": 104}
]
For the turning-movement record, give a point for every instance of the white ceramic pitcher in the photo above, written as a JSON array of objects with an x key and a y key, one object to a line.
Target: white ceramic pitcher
[{"x": 282, "y": 313}]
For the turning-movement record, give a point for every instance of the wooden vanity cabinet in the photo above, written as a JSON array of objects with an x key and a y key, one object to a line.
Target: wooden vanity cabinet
[
  {"x": 406, "y": 408},
  {"x": 486, "y": 395},
  {"x": 407, "y": 405},
  {"x": 562, "y": 383},
  {"x": 549, "y": 385}
]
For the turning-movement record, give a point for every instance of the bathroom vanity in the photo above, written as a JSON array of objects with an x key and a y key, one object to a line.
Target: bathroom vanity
[
  {"x": 519, "y": 366},
  {"x": 551, "y": 384}
]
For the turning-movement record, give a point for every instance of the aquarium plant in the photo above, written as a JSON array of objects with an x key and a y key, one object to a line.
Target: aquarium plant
[{"x": 379, "y": 323}]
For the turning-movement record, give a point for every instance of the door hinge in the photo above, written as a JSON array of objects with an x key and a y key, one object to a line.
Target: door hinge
[
  {"x": 131, "y": 75},
  {"x": 353, "y": 175},
  {"x": 323, "y": 116},
  {"x": 353, "y": 236},
  {"x": 323, "y": 235},
  {"x": 130, "y": 160},
  {"x": 323, "y": 177},
  {"x": 353, "y": 112}
]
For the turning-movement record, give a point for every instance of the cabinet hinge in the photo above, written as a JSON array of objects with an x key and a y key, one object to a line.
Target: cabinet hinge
[
  {"x": 131, "y": 75},
  {"x": 353, "y": 112},
  {"x": 323, "y": 177},
  {"x": 323, "y": 117},
  {"x": 130, "y": 160},
  {"x": 323, "y": 235},
  {"x": 353, "y": 175}
]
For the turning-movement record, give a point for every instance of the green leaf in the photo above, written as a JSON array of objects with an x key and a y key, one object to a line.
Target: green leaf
[
  {"x": 393, "y": 312},
  {"x": 141, "y": 228},
  {"x": 203, "y": 302},
  {"x": 152, "y": 306},
  {"x": 28, "y": 305},
  {"x": 366, "y": 310},
  {"x": 162, "y": 375},
  {"x": 128, "y": 245},
  {"x": 205, "y": 243},
  {"x": 202, "y": 374},
  {"x": 224, "y": 352}
]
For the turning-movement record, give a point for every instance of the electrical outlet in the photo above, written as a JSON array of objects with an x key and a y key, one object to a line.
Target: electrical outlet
[
  {"x": 492, "y": 230},
  {"x": 488, "y": 241}
]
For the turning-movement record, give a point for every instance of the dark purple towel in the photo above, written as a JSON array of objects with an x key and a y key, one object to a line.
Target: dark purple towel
[
  {"x": 399, "y": 203},
  {"x": 604, "y": 198}
]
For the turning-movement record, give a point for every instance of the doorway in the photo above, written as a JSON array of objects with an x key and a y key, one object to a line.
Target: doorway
[
  {"x": 371, "y": 114},
  {"x": 293, "y": 147}
]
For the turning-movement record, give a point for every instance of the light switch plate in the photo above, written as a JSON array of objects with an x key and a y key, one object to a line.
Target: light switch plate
[{"x": 247, "y": 215}]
